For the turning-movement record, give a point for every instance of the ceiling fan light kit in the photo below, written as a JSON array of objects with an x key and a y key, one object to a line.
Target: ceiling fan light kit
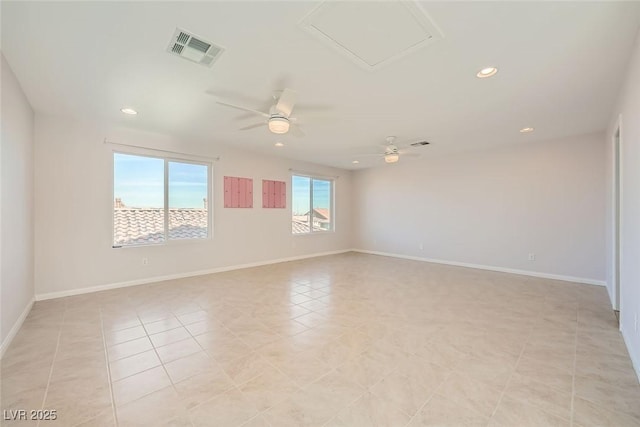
[
  {"x": 391, "y": 158},
  {"x": 279, "y": 125},
  {"x": 279, "y": 116},
  {"x": 392, "y": 152}
]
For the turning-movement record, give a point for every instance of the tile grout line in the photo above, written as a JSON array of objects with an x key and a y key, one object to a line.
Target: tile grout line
[
  {"x": 515, "y": 367},
  {"x": 366, "y": 390},
  {"x": 155, "y": 350},
  {"x": 153, "y": 347},
  {"x": 55, "y": 355},
  {"x": 575, "y": 361},
  {"x": 106, "y": 355},
  {"x": 429, "y": 399}
]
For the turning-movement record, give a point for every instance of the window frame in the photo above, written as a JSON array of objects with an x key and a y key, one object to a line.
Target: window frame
[
  {"x": 146, "y": 152},
  {"x": 312, "y": 177}
]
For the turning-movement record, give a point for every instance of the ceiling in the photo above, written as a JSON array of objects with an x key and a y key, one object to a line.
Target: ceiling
[{"x": 560, "y": 67}]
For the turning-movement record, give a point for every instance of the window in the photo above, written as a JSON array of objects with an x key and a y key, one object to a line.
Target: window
[
  {"x": 312, "y": 204},
  {"x": 158, "y": 199}
]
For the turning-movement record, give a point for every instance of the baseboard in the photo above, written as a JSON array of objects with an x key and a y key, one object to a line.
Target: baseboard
[
  {"x": 15, "y": 328},
  {"x": 79, "y": 291},
  {"x": 610, "y": 294},
  {"x": 634, "y": 357},
  {"x": 490, "y": 268}
]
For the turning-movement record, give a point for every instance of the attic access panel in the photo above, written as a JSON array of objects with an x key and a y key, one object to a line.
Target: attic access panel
[{"x": 372, "y": 34}]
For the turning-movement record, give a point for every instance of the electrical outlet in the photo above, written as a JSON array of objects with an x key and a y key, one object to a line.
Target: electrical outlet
[
  {"x": 421, "y": 246},
  {"x": 145, "y": 261},
  {"x": 532, "y": 257}
]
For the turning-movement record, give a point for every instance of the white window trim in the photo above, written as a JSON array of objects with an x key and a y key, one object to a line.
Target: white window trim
[
  {"x": 146, "y": 152},
  {"x": 313, "y": 232}
]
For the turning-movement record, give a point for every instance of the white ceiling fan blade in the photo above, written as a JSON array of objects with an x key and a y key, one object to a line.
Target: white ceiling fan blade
[
  {"x": 257, "y": 125},
  {"x": 408, "y": 154},
  {"x": 368, "y": 155},
  {"x": 260, "y": 113},
  {"x": 286, "y": 102},
  {"x": 296, "y": 131},
  {"x": 313, "y": 108}
]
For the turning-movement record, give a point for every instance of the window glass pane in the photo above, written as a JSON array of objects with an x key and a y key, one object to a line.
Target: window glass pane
[
  {"x": 188, "y": 215},
  {"x": 321, "y": 205},
  {"x": 138, "y": 188},
  {"x": 301, "y": 190}
]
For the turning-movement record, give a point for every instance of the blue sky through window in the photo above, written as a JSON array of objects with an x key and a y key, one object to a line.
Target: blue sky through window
[
  {"x": 139, "y": 182},
  {"x": 187, "y": 185},
  {"x": 301, "y": 193}
]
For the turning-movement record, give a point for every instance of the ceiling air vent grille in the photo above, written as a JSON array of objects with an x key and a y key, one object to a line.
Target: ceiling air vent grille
[
  {"x": 194, "y": 48},
  {"x": 183, "y": 38},
  {"x": 420, "y": 143}
]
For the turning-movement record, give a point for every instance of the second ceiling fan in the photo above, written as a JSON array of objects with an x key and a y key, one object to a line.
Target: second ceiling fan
[{"x": 392, "y": 152}]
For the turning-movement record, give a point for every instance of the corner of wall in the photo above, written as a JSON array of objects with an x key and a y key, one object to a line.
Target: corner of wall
[
  {"x": 15, "y": 328},
  {"x": 17, "y": 291}
]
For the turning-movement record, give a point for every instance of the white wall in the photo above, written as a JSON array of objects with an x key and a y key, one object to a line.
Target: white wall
[
  {"x": 74, "y": 211},
  {"x": 492, "y": 207},
  {"x": 628, "y": 110},
  {"x": 16, "y": 217}
]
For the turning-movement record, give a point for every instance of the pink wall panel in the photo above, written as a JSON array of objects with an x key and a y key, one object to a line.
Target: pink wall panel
[
  {"x": 272, "y": 191},
  {"x": 281, "y": 195},
  {"x": 274, "y": 194},
  {"x": 227, "y": 191},
  {"x": 248, "y": 193},
  {"x": 265, "y": 193},
  {"x": 242, "y": 193},
  {"x": 234, "y": 193},
  {"x": 238, "y": 192}
]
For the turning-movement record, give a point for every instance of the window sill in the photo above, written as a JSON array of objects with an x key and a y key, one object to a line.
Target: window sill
[{"x": 175, "y": 242}]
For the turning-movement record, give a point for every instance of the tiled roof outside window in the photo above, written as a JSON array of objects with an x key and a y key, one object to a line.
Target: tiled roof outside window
[{"x": 146, "y": 225}]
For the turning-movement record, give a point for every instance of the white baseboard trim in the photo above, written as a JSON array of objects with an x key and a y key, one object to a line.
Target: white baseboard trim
[
  {"x": 634, "y": 357},
  {"x": 79, "y": 291},
  {"x": 15, "y": 328},
  {"x": 490, "y": 268}
]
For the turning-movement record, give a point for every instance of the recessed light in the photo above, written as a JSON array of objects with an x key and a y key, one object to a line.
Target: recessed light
[
  {"x": 487, "y": 72},
  {"x": 129, "y": 111},
  {"x": 355, "y": 162},
  {"x": 526, "y": 130},
  {"x": 279, "y": 144}
]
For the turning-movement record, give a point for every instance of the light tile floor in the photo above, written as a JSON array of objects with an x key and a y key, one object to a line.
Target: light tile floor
[{"x": 346, "y": 340}]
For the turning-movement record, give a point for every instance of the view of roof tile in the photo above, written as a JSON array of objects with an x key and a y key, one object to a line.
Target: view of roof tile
[
  {"x": 320, "y": 213},
  {"x": 143, "y": 226},
  {"x": 299, "y": 227},
  {"x": 300, "y": 224}
]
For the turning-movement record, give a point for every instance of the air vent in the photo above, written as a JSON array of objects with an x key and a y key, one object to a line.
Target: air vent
[
  {"x": 194, "y": 48},
  {"x": 420, "y": 143},
  {"x": 177, "y": 48}
]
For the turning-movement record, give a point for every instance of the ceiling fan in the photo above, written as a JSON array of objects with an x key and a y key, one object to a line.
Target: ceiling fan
[
  {"x": 278, "y": 119},
  {"x": 392, "y": 152}
]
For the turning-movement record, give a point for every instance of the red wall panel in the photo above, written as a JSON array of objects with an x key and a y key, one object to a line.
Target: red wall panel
[
  {"x": 274, "y": 194},
  {"x": 238, "y": 192}
]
